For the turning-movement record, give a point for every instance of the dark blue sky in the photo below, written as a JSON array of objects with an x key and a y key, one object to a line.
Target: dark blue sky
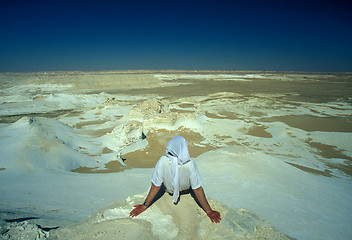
[{"x": 215, "y": 35}]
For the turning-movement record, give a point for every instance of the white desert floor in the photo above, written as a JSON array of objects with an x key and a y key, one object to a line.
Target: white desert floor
[{"x": 274, "y": 151}]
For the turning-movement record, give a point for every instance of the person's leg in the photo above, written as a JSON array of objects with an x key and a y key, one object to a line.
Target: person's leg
[{"x": 193, "y": 195}]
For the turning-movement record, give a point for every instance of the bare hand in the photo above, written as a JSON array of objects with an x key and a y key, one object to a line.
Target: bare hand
[
  {"x": 214, "y": 216},
  {"x": 138, "y": 209}
]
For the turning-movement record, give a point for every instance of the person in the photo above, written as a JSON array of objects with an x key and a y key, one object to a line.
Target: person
[{"x": 177, "y": 174}]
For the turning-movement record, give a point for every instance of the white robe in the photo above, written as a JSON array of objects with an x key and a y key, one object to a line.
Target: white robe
[{"x": 176, "y": 170}]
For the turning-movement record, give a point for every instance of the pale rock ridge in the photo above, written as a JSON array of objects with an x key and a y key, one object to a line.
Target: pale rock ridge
[
  {"x": 22, "y": 230},
  {"x": 132, "y": 131},
  {"x": 163, "y": 220}
]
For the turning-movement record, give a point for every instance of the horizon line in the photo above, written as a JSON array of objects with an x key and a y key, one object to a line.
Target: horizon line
[{"x": 175, "y": 70}]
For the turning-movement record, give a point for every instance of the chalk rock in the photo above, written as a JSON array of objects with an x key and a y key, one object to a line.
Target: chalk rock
[
  {"x": 146, "y": 110},
  {"x": 23, "y": 230},
  {"x": 164, "y": 220},
  {"x": 126, "y": 134}
]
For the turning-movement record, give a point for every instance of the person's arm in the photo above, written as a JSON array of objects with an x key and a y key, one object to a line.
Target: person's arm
[
  {"x": 141, "y": 207},
  {"x": 213, "y": 215}
]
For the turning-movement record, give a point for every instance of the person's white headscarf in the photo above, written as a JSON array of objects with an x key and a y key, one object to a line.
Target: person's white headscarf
[{"x": 177, "y": 152}]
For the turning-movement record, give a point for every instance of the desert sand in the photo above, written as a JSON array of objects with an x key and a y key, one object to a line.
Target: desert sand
[{"x": 78, "y": 150}]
